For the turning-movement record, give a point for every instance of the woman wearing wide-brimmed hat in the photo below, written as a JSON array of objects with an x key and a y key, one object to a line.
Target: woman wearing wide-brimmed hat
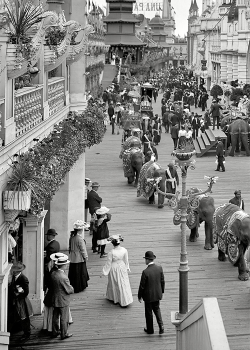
[
  {"x": 78, "y": 273},
  {"x": 20, "y": 308},
  {"x": 102, "y": 231},
  {"x": 117, "y": 267}
]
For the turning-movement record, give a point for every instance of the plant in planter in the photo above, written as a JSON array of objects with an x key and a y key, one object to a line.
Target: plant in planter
[
  {"x": 236, "y": 95},
  {"x": 54, "y": 37},
  {"x": 186, "y": 152},
  {"x": 216, "y": 91},
  {"x": 23, "y": 15}
]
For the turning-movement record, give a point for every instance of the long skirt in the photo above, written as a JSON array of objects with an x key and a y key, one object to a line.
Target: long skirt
[
  {"x": 118, "y": 289},
  {"x": 78, "y": 276}
]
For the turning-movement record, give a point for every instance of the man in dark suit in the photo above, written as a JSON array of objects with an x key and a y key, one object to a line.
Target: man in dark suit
[
  {"x": 61, "y": 290},
  {"x": 174, "y": 134},
  {"x": 52, "y": 247},
  {"x": 20, "y": 308},
  {"x": 215, "y": 112},
  {"x": 237, "y": 200},
  {"x": 196, "y": 124},
  {"x": 220, "y": 155},
  {"x": 94, "y": 202},
  {"x": 151, "y": 288}
]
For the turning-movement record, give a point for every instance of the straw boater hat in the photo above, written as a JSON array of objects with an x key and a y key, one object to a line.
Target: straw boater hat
[
  {"x": 95, "y": 184},
  {"x": 62, "y": 261},
  {"x": 87, "y": 180},
  {"x": 102, "y": 211},
  {"x": 79, "y": 225},
  {"x": 18, "y": 267},
  {"x": 56, "y": 256}
]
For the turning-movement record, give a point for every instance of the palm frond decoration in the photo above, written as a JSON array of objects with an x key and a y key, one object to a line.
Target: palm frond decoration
[{"x": 23, "y": 15}]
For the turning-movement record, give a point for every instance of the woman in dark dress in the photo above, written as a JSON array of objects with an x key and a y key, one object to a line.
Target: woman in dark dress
[
  {"x": 102, "y": 217},
  {"x": 78, "y": 273}
]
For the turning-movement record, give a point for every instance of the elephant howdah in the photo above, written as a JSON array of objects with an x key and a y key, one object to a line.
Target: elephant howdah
[
  {"x": 131, "y": 142},
  {"x": 232, "y": 235},
  {"x": 151, "y": 170}
]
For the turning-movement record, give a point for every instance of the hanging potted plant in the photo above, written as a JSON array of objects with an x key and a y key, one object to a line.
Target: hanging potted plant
[{"x": 17, "y": 196}]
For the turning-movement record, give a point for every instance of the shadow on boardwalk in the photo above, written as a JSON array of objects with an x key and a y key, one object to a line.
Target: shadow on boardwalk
[{"x": 99, "y": 324}]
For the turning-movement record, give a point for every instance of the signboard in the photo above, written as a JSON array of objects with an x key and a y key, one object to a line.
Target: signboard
[{"x": 147, "y": 6}]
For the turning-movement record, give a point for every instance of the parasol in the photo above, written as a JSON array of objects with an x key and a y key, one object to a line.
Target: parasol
[{"x": 134, "y": 94}]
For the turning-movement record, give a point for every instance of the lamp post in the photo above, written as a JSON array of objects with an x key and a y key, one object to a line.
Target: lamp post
[{"x": 188, "y": 201}]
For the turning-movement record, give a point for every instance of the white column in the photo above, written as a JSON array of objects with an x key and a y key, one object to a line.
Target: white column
[
  {"x": 33, "y": 255},
  {"x": 235, "y": 67},
  {"x": 4, "y": 273},
  {"x": 223, "y": 68},
  {"x": 229, "y": 68},
  {"x": 68, "y": 204}
]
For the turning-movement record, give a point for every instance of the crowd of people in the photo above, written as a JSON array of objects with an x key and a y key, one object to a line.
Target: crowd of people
[{"x": 65, "y": 274}]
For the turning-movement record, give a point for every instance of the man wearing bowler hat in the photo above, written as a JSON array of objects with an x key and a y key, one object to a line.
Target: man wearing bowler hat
[
  {"x": 94, "y": 202},
  {"x": 151, "y": 288},
  {"x": 52, "y": 247}
]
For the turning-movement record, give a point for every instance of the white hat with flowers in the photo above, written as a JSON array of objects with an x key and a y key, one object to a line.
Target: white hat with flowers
[{"x": 80, "y": 225}]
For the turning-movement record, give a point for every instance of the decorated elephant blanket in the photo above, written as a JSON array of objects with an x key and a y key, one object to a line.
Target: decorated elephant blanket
[
  {"x": 144, "y": 187},
  {"x": 127, "y": 166},
  {"x": 223, "y": 219},
  {"x": 131, "y": 141},
  {"x": 192, "y": 211}
]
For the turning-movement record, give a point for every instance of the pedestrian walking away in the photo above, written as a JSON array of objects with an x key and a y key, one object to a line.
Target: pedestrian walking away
[
  {"x": 117, "y": 267},
  {"x": 152, "y": 286}
]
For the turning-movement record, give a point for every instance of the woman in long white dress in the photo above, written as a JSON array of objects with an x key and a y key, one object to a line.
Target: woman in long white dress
[{"x": 117, "y": 267}]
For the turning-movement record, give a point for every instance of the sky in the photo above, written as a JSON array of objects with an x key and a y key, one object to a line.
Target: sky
[{"x": 181, "y": 8}]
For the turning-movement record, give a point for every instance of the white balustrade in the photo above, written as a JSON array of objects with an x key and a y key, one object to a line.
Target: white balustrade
[
  {"x": 56, "y": 95},
  {"x": 28, "y": 108}
]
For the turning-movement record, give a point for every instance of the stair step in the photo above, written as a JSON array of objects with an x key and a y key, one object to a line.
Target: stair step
[
  {"x": 218, "y": 133},
  {"x": 201, "y": 143},
  {"x": 205, "y": 139},
  {"x": 210, "y": 135}
]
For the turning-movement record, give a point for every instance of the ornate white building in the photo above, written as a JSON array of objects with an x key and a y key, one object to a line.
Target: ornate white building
[
  {"x": 39, "y": 85},
  {"x": 220, "y": 36}
]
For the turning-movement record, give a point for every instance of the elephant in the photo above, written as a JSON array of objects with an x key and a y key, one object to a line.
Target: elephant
[
  {"x": 239, "y": 130},
  {"x": 231, "y": 231},
  {"x": 131, "y": 142},
  {"x": 133, "y": 160},
  {"x": 152, "y": 170},
  {"x": 201, "y": 208}
]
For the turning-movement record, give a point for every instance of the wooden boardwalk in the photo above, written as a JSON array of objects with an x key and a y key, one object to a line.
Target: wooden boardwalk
[{"x": 98, "y": 324}]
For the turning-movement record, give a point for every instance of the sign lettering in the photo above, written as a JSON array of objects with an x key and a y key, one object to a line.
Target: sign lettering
[{"x": 147, "y": 6}]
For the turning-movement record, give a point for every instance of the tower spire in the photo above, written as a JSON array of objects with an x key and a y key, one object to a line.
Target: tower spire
[
  {"x": 191, "y": 6},
  {"x": 166, "y": 11}
]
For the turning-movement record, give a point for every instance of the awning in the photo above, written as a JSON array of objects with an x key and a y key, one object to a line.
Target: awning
[{"x": 122, "y": 40}]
